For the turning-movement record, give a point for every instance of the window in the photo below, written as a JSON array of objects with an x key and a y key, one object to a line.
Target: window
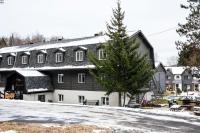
[
  {"x": 79, "y": 55},
  {"x": 104, "y": 100},
  {"x": 41, "y": 98},
  {"x": 59, "y": 57},
  {"x": 60, "y": 78},
  {"x": 24, "y": 59},
  {"x": 102, "y": 54},
  {"x": 60, "y": 97},
  {"x": 186, "y": 77},
  {"x": 177, "y": 76},
  {"x": 81, "y": 99},
  {"x": 10, "y": 60},
  {"x": 40, "y": 58},
  {"x": 81, "y": 77},
  {"x": 168, "y": 77}
]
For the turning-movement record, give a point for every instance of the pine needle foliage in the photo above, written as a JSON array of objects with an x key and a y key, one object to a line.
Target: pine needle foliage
[
  {"x": 189, "y": 46},
  {"x": 124, "y": 70}
]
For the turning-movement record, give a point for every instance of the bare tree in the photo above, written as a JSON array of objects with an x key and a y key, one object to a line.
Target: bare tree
[{"x": 37, "y": 38}]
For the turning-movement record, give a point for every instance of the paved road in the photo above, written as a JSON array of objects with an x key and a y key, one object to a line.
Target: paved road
[{"x": 122, "y": 120}]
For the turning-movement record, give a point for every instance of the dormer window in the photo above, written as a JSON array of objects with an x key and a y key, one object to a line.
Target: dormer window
[
  {"x": 59, "y": 57},
  {"x": 40, "y": 58},
  {"x": 79, "y": 55},
  {"x": 24, "y": 59},
  {"x": 10, "y": 60},
  {"x": 102, "y": 54}
]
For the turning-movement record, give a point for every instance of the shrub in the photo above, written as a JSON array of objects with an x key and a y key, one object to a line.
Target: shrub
[{"x": 159, "y": 101}]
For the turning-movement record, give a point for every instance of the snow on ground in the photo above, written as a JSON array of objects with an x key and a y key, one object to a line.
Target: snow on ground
[
  {"x": 10, "y": 131},
  {"x": 119, "y": 118}
]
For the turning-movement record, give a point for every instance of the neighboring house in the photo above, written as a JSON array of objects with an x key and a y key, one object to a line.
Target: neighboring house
[
  {"x": 183, "y": 78},
  {"x": 195, "y": 79},
  {"x": 160, "y": 77},
  {"x": 158, "y": 83},
  {"x": 59, "y": 71},
  {"x": 187, "y": 80},
  {"x": 169, "y": 80},
  {"x": 174, "y": 77}
]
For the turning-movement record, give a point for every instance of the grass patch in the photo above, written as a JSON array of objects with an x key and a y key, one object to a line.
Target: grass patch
[{"x": 159, "y": 101}]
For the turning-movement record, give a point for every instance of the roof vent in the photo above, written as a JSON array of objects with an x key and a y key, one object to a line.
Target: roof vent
[
  {"x": 60, "y": 38},
  {"x": 98, "y": 34}
]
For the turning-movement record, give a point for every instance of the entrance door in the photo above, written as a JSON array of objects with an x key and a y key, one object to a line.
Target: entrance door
[{"x": 15, "y": 84}]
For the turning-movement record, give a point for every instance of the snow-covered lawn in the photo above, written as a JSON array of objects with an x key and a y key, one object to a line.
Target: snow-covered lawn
[{"x": 119, "y": 118}]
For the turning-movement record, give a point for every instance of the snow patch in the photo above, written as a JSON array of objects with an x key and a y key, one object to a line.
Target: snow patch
[
  {"x": 9, "y": 131},
  {"x": 67, "y": 67},
  {"x": 37, "y": 90},
  {"x": 29, "y": 73}
]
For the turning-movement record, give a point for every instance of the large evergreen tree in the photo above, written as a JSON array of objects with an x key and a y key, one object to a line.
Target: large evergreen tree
[
  {"x": 124, "y": 70},
  {"x": 189, "y": 46}
]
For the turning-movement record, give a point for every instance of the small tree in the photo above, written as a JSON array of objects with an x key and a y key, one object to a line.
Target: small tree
[{"x": 124, "y": 70}]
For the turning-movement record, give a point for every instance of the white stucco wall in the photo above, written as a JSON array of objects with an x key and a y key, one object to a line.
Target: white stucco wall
[
  {"x": 34, "y": 97},
  {"x": 71, "y": 96}
]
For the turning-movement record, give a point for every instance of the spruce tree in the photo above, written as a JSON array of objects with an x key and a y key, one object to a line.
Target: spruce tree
[
  {"x": 124, "y": 70},
  {"x": 189, "y": 46}
]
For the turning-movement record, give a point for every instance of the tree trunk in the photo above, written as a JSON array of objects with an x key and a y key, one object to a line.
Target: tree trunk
[
  {"x": 124, "y": 99},
  {"x": 120, "y": 100}
]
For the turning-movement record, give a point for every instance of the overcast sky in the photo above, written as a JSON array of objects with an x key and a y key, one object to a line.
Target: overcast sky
[{"x": 78, "y": 18}]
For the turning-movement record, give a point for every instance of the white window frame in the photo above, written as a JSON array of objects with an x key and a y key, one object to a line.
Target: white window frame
[
  {"x": 60, "y": 97},
  {"x": 79, "y": 55},
  {"x": 168, "y": 77},
  {"x": 24, "y": 59},
  {"x": 81, "y": 99},
  {"x": 60, "y": 78},
  {"x": 59, "y": 57},
  {"x": 10, "y": 60},
  {"x": 40, "y": 58},
  {"x": 81, "y": 78},
  {"x": 104, "y": 100},
  {"x": 102, "y": 54}
]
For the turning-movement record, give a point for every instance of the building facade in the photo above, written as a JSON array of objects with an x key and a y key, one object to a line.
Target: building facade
[
  {"x": 182, "y": 78},
  {"x": 59, "y": 71},
  {"x": 160, "y": 77}
]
